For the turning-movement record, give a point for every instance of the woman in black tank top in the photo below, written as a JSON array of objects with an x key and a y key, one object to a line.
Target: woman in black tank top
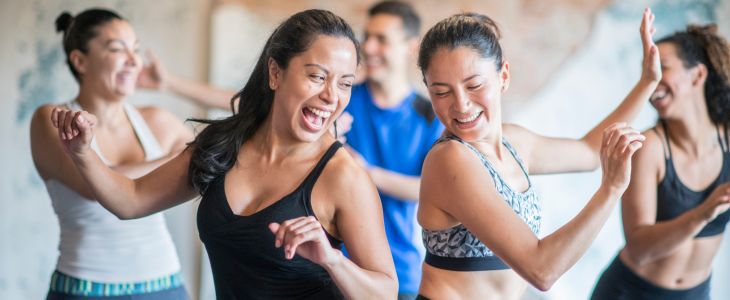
[
  {"x": 278, "y": 198},
  {"x": 676, "y": 207}
]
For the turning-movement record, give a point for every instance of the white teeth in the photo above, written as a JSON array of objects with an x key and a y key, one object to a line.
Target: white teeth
[
  {"x": 469, "y": 118},
  {"x": 658, "y": 95},
  {"x": 320, "y": 113}
]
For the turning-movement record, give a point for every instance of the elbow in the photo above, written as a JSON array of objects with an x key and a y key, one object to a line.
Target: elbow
[
  {"x": 124, "y": 216},
  {"x": 636, "y": 257},
  {"x": 543, "y": 280},
  {"x": 390, "y": 290}
]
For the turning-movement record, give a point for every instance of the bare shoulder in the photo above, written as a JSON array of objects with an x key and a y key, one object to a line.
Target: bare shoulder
[
  {"x": 44, "y": 141},
  {"x": 653, "y": 146},
  {"x": 42, "y": 115},
  {"x": 446, "y": 154},
  {"x": 448, "y": 164},
  {"x": 41, "y": 127},
  {"x": 651, "y": 155},
  {"x": 344, "y": 177}
]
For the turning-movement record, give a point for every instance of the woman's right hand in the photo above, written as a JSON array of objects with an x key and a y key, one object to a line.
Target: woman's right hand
[
  {"x": 651, "y": 67},
  {"x": 717, "y": 203},
  {"x": 75, "y": 130},
  {"x": 620, "y": 142}
]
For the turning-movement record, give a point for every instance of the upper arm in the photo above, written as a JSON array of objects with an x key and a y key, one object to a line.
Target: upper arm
[
  {"x": 545, "y": 155},
  {"x": 455, "y": 181},
  {"x": 358, "y": 215},
  {"x": 49, "y": 157},
  {"x": 165, "y": 187},
  {"x": 638, "y": 205},
  {"x": 170, "y": 131}
]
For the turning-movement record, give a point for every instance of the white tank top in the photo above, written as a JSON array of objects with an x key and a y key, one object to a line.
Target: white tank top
[{"x": 95, "y": 245}]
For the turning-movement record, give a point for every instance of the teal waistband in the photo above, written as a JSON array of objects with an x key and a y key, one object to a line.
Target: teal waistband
[{"x": 62, "y": 283}]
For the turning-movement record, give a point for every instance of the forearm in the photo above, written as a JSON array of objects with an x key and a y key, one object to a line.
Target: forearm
[
  {"x": 559, "y": 251},
  {"x": 200, "y": 92},
  {"x": 397, "y": 185},
  {"x": 652, "y": 242},
  {"x": 112, "y": 190},
  {"x": 625, "y": 112},
  {"x": 357, "y": 283}
]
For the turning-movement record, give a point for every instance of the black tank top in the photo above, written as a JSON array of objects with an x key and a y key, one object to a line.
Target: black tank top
[
  {"x": 244, "y": 261},
  {"x": 674, "y": 198}
]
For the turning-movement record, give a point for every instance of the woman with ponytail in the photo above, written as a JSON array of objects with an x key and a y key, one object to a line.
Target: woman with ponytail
[
  {"x": 279, "y": 197},
  {"x": 479, "y": 211},
  {"x": 676, "y": 207},
  {"x": 102, "y": 257}
]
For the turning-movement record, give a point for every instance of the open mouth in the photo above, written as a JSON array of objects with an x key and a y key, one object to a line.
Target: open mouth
[
  {"x": 469, "y": 120},
  {"x": 315, "y": 118},
  {"x": 658, "y": 95}
]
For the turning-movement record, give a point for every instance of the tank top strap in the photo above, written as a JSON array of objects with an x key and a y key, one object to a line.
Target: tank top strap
[
  {"x": 311, "y": 179},
  {"x": 666, "y": 140},
  {"x": 723, "y": 145},
  {"x": 727, "y": 143},
  {"x": 518, "y": 159},
  {"x": 151, "y": 146}
]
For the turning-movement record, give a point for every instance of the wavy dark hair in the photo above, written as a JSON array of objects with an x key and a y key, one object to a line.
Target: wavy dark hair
[
  {"x": 472, "y": 30},
  {"x": 215, "y": 149},
  {"x": 703, "y": 45},
  {"x": 79, "y": 30}
]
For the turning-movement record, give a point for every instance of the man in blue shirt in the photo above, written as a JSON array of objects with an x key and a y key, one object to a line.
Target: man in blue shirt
[{"x": 392, "y": 130}]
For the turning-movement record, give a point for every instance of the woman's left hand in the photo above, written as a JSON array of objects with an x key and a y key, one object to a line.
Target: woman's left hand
[{"x": 306, "y": 237}]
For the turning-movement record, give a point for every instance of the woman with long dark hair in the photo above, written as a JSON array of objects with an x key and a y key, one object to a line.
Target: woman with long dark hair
[
  {"x": 100, "y": 255},
  {"x": 676, "y": 207},
  {"x": 478, "y": 207},
  {"x": 278, "y": 197}
]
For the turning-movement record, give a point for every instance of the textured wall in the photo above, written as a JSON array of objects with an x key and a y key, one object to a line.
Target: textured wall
[{"x": 33, "y": 73}]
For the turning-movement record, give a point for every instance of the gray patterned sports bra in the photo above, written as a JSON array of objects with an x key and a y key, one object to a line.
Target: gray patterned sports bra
[{"x": 456, "y": 248}]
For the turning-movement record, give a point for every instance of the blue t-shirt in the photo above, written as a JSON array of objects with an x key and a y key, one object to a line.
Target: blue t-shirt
[{"x": 396, "y": 139}]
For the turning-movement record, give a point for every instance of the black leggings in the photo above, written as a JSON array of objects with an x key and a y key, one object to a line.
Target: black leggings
[{"x": 619, "y": 282}]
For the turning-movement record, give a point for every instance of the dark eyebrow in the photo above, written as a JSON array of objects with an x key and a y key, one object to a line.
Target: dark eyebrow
[
  {"x": 444, "y": 84},
  {"x": 136, "y": 43},
  {"x": 321, "y": 67}
]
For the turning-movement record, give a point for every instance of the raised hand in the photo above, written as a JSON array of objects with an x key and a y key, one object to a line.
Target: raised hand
[
  {"x": 75, "y": 129},
  {"x": 620, "y": 142},
  {"x": 717, "y": 203},
  {"x": 651, "y": 67},
  {"x": 304, "y": 236},
  {"x": 153, "y": 75}
]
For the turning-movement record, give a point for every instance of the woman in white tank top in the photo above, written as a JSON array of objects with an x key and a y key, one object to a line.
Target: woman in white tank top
[{"x": 100, "y": 255}]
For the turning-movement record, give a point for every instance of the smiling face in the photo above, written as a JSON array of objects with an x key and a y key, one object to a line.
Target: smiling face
[
  {"x": 386, "y": 47},
  {"x": 678, "y": 84},
  {"x": 112, "y": 63},
  {"x": 465, "y": 91},
  {"x": 314, "y": 88}
]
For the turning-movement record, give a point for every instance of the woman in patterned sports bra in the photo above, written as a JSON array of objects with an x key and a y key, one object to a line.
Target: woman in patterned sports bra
[
  {"x": 478, "y": 207},
  {"x": 676, "y": 207}
]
